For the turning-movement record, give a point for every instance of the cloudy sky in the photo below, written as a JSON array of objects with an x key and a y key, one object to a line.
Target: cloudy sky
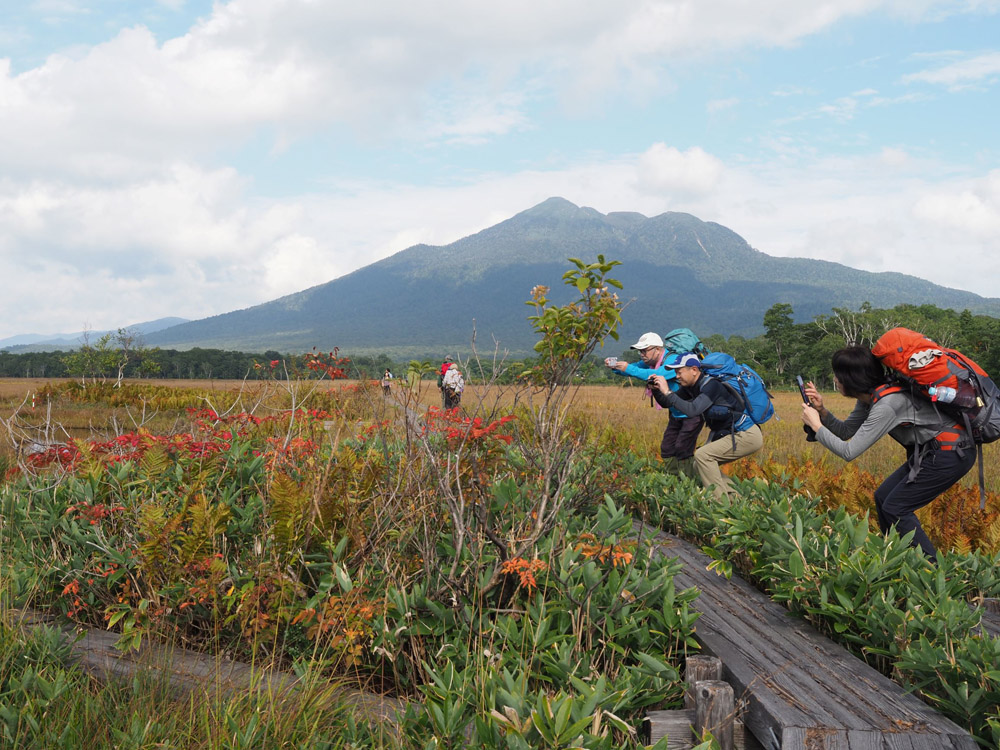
[{"x": 188, "y": 158}]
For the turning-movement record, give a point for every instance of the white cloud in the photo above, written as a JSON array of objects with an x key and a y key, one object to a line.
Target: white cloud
[
  {"x": 980, "y": 70},
  {"x": 120, "y": 198},
  {"x": 666, "y": 170},
  {"x": 971, "y": 210},
  {"x": 720, "y": 105},
  {"x": 297, "y": 66}
]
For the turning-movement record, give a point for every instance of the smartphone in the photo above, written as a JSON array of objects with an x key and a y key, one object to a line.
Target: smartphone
[
  {"x": 802, "y": 389},
  {"x": 810, "y": 435},
  {"x": 611, "y": 361}
]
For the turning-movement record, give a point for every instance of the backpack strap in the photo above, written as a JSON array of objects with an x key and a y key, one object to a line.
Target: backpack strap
[
  {"x": 737, "y": 415},
  {"x": 885, "y": 390}
]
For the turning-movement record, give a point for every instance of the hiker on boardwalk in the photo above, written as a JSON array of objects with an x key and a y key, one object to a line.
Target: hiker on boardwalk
[
  {"x": 442, "y": 371},
  {"x": 452, "y": 386},
  {"x": 939, "y": 451},
  {"x": 681, "y": 433},
  {"x": 732, "y": 433},
  {"x": 386, "y": 381}
]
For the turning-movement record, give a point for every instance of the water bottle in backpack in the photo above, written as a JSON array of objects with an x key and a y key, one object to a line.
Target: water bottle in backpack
[{"x": 963, "y": 398}]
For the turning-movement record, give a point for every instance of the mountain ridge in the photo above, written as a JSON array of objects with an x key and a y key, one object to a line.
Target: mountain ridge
[{"x": 428, "y": 300}]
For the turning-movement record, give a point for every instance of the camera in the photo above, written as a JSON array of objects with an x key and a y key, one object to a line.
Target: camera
[{"x": 611, "y": 361}]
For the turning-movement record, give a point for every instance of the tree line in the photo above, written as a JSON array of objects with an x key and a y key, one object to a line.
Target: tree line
[
  {"x": 787, "y": 348},
  {"x": 120, "y": 355},
  {"x": 784, "y": 350}
]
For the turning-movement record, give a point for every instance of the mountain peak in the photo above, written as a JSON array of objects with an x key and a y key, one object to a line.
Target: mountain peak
[
  {"x": 678, "y": 269},
  {"x": 559, "y": 208}
]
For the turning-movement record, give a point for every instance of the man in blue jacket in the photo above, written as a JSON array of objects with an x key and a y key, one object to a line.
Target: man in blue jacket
[{"x": 681, "y": 433}]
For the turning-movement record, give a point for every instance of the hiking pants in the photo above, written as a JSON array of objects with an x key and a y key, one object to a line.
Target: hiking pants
[
  {"x": 897, "y": 500},
  {"x": 677, "y": 445},
  {"x": 709, "y": 458},
  {"x": 680, "y": 437}
]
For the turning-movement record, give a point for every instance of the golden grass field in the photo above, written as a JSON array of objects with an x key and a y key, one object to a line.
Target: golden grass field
[{"x": 620, "y": 407}]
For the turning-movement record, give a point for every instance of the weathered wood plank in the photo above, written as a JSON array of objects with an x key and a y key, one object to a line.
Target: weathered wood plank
[
  {"x": 991, "y": 617},
  {"x": 185, "y": 671},
  {"x": 807, "y": 690},
  {"x": 676, "y": 725}
]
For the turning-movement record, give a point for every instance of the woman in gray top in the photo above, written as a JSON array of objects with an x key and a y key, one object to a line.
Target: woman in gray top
[{"x": 939, "y": 452}]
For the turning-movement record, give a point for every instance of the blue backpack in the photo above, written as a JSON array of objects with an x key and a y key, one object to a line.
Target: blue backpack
[
  {"x": 682, "y": 340},
  {"x": 742, "y": 381}
]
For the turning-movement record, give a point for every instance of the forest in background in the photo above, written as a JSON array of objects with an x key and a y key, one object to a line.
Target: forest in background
[{"x": 784, "y": 350}]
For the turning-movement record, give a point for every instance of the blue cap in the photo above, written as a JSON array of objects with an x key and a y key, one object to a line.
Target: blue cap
[{"x": 687, "y": 359}]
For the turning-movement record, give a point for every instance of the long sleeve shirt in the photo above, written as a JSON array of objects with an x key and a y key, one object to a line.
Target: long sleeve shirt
[
  {"x": 641, "y": 371},
  {"x": 721, "y": 409},
  {"x": 907, "y": 420}
]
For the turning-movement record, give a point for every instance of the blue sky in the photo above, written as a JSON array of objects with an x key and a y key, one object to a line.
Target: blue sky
[{"x": 182, "y": 157}]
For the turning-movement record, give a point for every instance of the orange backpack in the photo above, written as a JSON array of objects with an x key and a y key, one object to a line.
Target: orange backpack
[
  {"x": 922, "y": 360},
  {"x": 926, "y": 365}
]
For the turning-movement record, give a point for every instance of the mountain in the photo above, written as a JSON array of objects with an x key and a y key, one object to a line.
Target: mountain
[
  {"x": 679, "y": 270},
  {"x": 38, "y": 342}
]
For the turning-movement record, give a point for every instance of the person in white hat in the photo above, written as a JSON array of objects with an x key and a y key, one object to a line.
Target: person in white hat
[
  {"x": 681, "y": 433},
  {"x": 733, "y": 434}
]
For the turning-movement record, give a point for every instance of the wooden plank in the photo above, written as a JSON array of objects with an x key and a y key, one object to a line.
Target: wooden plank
[
  {"x": 676, "y": 726},
  {"x": 185, "y": 671},
  {"x": 807, "y": 690},
  {"x": 991, "y": 617}
]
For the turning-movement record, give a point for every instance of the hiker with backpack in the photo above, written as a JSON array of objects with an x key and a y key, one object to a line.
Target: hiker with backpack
[
  {"x": 442, "y": 371},
  {"x": 452, "y": 386},
  {"x": 733, "y": 432},
  {"x": 939, "y": 450},
  {"x": 681, "y": 433}
]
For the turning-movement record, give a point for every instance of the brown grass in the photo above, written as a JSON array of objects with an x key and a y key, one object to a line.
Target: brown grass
[{"x": 622, "y": 408}]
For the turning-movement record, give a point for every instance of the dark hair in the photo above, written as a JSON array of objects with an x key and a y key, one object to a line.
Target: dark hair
[{"x": 858, "y": 370}]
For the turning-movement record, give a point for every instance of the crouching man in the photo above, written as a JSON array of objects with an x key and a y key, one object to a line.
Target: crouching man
[{"x": 732, "y": 433}]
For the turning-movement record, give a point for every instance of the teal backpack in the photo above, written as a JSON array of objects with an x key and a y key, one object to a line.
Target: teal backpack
[{"x": 681, "y": 340}]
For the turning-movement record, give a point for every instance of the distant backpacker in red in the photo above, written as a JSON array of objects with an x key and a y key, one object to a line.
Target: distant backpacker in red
[{"x": 931, "y": 370}]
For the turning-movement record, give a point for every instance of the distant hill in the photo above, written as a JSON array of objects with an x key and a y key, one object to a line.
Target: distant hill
[
  {"x": 681, "y": 271},
  {"x": 37, "y": 342}
]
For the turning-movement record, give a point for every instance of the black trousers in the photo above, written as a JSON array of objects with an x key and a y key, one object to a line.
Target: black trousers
[
  {"x": 897, "y": 499},
  {"x": 680, "y": 437}
]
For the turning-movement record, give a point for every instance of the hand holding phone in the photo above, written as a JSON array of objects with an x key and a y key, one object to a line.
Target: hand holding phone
[{"x": 810, "y": 433}]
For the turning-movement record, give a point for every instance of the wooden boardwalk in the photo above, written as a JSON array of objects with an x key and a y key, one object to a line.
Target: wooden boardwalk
[
  {"x": 801, "y": 691},
  {"x": 187, "y": 672}
]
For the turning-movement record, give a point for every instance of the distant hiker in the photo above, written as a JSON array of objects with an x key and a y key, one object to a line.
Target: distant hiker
[
  {"x": 452, "y": 386},
  {"x": 681, "y": 433},
  {"x": 386, "y": 381},
  {"x": 442, "y": 371},
  {"x": 732, "y": 432},
  {"x": 939, "y": 451}
]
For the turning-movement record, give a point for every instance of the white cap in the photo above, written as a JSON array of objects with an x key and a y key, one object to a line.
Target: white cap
[{"x": 647, "y": 340}]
